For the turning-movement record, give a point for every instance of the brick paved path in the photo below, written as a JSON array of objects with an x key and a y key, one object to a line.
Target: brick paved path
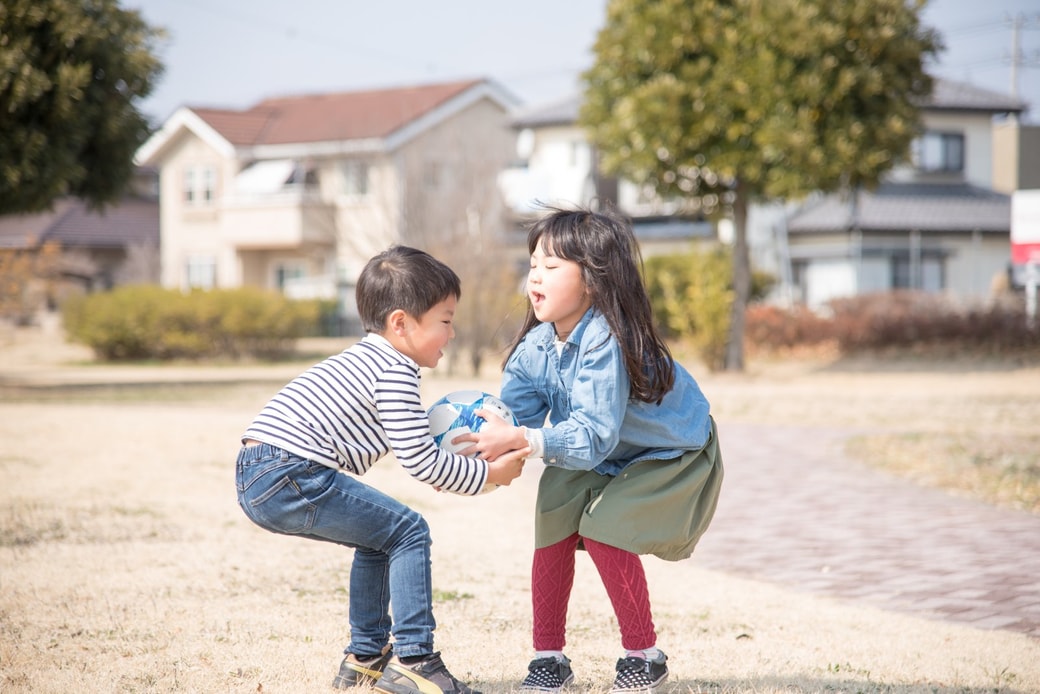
[{"x": 796, "y": 512}]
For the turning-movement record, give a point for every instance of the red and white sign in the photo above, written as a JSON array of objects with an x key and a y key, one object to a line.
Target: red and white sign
[{"x": 1025, "y": 227}]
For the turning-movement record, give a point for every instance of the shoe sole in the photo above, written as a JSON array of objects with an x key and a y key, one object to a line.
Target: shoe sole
[
  {"x": 412, "y": 683},
  {"x": 363, "y": 677}
]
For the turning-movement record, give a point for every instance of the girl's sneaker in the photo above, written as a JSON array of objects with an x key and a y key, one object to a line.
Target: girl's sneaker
[
  {"x": 639, "y": 675},
  {"x": 361, "y": 672},
  {"x": 547, "y": 675}
]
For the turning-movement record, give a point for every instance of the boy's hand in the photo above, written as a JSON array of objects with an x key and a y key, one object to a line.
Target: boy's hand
[{"x": 507, "y": 467}]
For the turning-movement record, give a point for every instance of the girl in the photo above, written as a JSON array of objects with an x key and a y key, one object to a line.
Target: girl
[{"x": 631, "y": 452}]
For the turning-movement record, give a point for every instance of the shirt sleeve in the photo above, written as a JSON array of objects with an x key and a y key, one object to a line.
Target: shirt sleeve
[
  {"x": 598, "y": 397},
  {"x": 408, "y": 430}
]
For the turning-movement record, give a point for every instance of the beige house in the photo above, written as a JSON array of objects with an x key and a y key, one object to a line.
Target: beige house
[
  {"x": 940, "y": 223},
  {"x": 296, "y": 193}
]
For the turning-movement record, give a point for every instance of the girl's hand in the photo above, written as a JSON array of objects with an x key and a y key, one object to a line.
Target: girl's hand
[
  {"x": 507, "y": 467},
  {"x": 496, "y": 437}
]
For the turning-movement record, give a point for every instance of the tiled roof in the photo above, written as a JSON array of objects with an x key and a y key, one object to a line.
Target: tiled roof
[
  {"x": 907, "y": 207},
  {"x": 330, "y": 117},
  {"x": 26, "y": 230},
  {"x": 133, "y": 220},
  {"x": 947, "y": 95},
  {"x": 562, "y": 112}
]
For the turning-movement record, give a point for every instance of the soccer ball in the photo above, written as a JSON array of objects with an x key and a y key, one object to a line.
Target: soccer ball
[{"x": 453, "y": 415}]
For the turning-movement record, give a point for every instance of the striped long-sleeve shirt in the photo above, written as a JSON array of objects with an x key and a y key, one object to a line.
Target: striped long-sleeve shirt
[{"x": 353, "y": 408}]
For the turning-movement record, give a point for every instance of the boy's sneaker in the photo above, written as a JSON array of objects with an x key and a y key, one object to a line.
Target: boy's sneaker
[
  {"x": 639, "y": 675},
  {"x": 425, "y": 677},
  {"x": 547, "y": 675},
  {"x": 361, "y": 672}
]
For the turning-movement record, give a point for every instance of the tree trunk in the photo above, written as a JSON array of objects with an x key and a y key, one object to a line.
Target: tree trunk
[{"x": 741, "y": 283}]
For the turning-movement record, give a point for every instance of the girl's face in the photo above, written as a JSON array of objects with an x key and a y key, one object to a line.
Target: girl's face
[{"x": 557, "y": 291}]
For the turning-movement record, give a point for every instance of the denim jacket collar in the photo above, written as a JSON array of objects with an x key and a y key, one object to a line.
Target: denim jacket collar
[{"x": 545, "y": 335}]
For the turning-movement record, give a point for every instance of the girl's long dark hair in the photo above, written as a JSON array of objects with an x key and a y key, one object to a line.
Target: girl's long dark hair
[{"x": 605, "y": 247}]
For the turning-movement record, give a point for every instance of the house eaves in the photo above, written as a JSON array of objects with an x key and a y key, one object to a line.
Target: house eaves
[
  {"x": 905, "y": 207},
  {"x": 948, "y": 95},
  {"x": 563, "y": 112},
  {"x": 183, "y": 119},
  {"x": 481, "y": 90},
  {"x": 328, "y": 124}
]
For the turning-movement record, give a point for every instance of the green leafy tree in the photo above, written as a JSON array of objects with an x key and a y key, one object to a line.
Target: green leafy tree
[
  {"x": 726, "y": 102},
  {"x": 71, "y": 72}
]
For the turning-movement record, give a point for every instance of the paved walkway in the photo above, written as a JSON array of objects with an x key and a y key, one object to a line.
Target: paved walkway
[{"x": 795, "y": 512}]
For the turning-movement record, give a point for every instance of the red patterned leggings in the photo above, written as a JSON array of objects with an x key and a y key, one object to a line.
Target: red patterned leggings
[{"x": 552, "y": 577}]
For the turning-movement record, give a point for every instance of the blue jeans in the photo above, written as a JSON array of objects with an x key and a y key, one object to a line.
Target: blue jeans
[{"x": 287, "y": 494}]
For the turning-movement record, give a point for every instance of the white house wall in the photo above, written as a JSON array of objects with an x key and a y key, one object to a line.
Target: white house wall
[
  {"x": 978, "y": 148},
  {"x": 558, "y": 171},
  {"x": 194, "y": 230},
  {"x": 977, "y": 263},
  {"x": 828, "y": 279}
]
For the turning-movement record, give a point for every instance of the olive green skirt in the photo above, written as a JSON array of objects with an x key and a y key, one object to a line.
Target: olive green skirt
[{"x": 659, "y": 507}]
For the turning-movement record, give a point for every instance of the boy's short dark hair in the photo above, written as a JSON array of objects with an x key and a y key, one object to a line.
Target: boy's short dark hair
[{"x": 402, "y": 278}]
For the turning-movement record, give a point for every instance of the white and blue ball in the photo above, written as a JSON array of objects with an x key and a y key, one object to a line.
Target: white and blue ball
[{"x": 455, "y": 415}]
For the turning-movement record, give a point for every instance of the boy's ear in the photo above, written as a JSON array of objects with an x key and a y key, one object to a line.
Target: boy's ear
[{"x": 397, "y": 322}]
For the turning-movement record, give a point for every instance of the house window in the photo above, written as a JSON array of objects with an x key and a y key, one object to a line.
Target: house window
[
  {"x": 285, "y": 273},
  {"x": 926, "y": 276},
  {"x": 938, "y": 152},
  {"x": 199, "y": 185},
  {"x": 355, "y": 177},
  {"x": 201, "y": 272}
]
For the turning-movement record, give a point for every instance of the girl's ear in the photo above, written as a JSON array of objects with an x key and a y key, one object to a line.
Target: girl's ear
[{"x": 397, "y": 322}]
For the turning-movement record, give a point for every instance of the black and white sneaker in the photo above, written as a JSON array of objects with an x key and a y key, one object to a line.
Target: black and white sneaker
[
  {"x": 547, "y": 675},
  {"x": 639, "y": 675}
]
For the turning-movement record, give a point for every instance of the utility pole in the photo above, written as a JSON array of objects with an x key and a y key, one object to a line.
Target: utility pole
[{"x": 1019, "y": 22}]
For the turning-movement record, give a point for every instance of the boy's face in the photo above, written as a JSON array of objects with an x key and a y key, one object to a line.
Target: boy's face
[{"x": 423, "y": 338}]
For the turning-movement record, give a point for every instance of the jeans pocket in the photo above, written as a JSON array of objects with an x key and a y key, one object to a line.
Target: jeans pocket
[{"x": 282, "y": 508}]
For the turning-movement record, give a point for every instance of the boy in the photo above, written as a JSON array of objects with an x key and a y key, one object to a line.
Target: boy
[{"x": 342, "y": 415}]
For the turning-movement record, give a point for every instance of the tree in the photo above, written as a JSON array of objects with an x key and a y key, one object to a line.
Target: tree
[
  {"x": 26, "y": 280},
  {"x": 70, "y": 74},
  {"x": 727, "y": 102}
]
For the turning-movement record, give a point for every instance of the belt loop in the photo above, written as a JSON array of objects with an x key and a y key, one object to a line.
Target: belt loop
[{"x": 285, "y": 455}]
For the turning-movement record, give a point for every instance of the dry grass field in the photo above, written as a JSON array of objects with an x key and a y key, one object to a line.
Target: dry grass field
[{"x": 126, "y": 565}]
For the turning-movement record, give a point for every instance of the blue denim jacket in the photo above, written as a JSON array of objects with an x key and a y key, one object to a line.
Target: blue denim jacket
[{"x": 584, "y": 392}]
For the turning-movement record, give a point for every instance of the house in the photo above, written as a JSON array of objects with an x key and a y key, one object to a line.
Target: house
[
  {"x": 97, "y": 249},
  {"x": 555, "y": 164},
  {"x": 937, "y": 224},
  {"x": 296, "y": 193}
]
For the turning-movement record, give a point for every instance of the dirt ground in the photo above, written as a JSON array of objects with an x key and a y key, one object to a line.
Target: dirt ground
[{"x": 126, "y": 565}]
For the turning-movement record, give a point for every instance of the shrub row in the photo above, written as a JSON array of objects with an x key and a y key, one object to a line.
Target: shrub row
[
  {"x": 148, "y": 322},
  {"x": 896, "y": 320}
]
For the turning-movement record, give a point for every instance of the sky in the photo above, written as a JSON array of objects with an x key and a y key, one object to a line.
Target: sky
[{"x": 232, "y": 54}]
